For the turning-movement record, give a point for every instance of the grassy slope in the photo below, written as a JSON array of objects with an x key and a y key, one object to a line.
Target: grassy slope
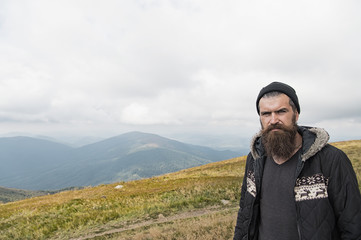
[{"x": 98, "y": 209}]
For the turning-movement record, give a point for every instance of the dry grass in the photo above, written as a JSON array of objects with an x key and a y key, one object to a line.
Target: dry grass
[{"x": 213, "y": 226}]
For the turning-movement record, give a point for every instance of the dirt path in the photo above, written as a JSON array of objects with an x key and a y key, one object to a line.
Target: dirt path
[{"x": 161, "y": 219}]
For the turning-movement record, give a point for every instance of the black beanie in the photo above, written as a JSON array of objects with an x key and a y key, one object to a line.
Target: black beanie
[{"x": 279, "y": 87}]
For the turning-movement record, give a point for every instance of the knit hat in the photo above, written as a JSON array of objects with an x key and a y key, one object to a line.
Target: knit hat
[{"x": 279, "y": 87}]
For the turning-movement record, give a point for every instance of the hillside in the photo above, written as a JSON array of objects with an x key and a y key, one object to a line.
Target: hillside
[
  {"x": 22, "y": 157},
  {"x": 11, "y": 195},
  {"x": 196, "y": 203},
  {"x": 35, "y": 164}
]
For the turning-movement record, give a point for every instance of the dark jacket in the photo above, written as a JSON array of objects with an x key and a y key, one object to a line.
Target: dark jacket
[{"x": 327, "y": 197}]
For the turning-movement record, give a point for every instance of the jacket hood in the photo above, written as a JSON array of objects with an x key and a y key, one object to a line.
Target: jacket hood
[{"x": 313, "y": 140}]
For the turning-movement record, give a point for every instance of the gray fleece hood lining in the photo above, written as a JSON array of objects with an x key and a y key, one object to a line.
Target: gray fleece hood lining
[{"x": 319, "y": 136}]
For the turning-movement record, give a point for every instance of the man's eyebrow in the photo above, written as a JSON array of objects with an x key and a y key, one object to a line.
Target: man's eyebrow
[
  {"x": 265, "y": 112},
  {"x": 282, "y": 109},
  {"x": 277, "y": 111}
]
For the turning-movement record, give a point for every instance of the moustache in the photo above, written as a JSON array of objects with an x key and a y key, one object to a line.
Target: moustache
[{"x": 275, "y": 126}]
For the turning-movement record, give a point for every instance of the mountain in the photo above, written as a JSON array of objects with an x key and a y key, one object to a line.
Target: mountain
[
  {"x": 24, "y": 158},
  {"x": 11, "y": 195},
  {"x": 29, "y": 163}
]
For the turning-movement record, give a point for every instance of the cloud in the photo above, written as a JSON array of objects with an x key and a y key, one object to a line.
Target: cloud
[{"x": 191, "y": 66}]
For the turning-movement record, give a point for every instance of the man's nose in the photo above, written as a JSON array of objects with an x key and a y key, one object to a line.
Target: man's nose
[{"x": 274, "y": 118}]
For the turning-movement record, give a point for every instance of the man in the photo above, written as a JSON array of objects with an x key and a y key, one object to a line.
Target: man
[{"x": 296, "y": 186}]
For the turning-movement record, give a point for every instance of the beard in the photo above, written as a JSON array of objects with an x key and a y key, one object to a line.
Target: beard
[{"x": 279, "y": 143}]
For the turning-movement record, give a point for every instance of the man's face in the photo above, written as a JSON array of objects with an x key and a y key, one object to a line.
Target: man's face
[
  {"x": 277, "y": 110},
  {"x": 279, "y": 126}
]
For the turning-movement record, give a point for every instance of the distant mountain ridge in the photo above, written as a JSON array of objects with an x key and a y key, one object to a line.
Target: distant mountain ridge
[
  {"x": 38, "y": 164},
  {"x": 10, "y": 195}
]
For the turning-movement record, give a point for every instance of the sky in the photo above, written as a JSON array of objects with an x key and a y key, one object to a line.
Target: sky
[{"x": 187, "y": 70}]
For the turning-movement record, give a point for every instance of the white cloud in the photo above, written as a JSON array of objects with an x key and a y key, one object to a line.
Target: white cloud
[{"x": 183, "y": 66}]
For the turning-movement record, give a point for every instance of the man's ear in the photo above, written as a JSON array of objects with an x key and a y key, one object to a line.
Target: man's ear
[{"x": 297, "y": 115}]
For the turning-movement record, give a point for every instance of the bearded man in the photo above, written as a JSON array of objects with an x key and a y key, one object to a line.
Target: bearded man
[{"x": 296, "y": 185}]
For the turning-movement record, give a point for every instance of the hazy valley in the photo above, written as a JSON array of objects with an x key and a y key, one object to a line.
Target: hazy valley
[{"x": 38, "y": 164}]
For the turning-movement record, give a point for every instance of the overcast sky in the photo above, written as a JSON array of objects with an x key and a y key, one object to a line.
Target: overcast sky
[{"x": 181, "y": 69}]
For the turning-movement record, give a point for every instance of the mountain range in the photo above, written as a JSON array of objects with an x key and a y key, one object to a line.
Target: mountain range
[{"x": 38, "y": 164}]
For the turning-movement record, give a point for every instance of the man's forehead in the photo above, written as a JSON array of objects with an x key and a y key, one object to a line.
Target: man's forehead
[{"x": 279, "y": 101}]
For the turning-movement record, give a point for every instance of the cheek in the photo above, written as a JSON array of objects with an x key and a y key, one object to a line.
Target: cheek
[{"x": 287, "y": 120}]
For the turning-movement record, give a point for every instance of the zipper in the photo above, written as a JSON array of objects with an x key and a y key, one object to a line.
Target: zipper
[
  {"x": 250, "y": 220},
  {"x": 298, "y": 223},
  {"x": 298, "y": 172},
  {"x": 257, "y": 168}
]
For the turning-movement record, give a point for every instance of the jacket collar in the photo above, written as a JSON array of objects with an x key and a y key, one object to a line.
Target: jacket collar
[{"x": 313, "y": 140}]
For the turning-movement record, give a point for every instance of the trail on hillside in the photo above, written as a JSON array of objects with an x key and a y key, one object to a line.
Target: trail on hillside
[{"x": 159, "y": 220}]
